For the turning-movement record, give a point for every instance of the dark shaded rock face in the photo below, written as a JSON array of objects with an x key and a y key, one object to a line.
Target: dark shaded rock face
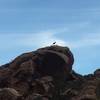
[{"x": 46, "y": 74}]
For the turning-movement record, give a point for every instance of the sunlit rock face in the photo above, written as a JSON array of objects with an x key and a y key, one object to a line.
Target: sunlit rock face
[{"x": 46, "y": 74}]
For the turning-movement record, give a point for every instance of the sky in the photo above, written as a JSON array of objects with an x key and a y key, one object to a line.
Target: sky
[{"x": 26, "y": 25}]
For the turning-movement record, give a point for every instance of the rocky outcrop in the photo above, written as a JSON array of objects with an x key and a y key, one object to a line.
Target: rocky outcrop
[{"x": 46, "y": 74}]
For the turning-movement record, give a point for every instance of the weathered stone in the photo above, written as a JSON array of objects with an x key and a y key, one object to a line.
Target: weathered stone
[
  {"x": 9, "y": 94},
  {"x": 46, "y": 74}
]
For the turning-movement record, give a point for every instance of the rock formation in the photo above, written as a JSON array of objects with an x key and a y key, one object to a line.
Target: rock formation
[{"x": 46, "y": 74}]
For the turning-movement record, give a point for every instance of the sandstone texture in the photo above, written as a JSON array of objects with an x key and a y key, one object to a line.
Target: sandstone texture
[{"x": 47, "y": 74}]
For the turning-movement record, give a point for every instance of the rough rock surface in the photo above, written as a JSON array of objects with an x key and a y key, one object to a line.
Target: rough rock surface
[{"x": 46, "y": 74}]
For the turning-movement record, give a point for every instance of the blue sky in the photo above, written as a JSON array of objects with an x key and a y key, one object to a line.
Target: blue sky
[{"x": 26, "y": 25}]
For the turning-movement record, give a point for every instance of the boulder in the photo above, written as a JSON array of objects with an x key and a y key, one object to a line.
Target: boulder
[
  {"x": 46, "y": 74},
  {"x": 9, "y": 94}
]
